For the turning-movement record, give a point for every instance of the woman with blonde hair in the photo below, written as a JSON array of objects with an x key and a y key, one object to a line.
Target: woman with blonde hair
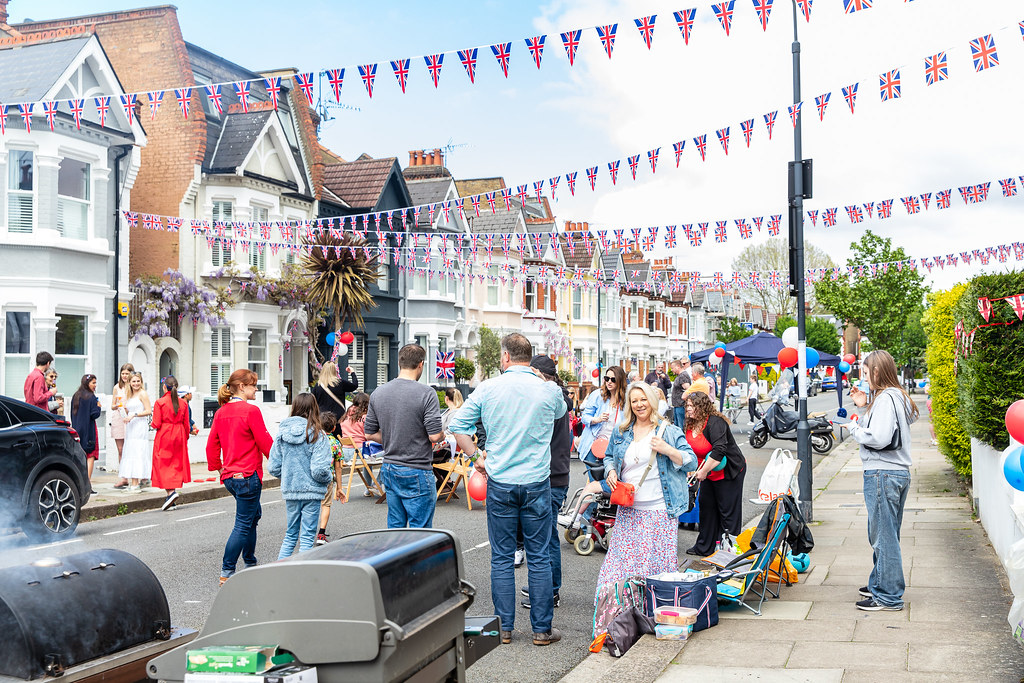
[
  {"x": 118, "y": 414},
  {"x": 237, "y": 444},
  {"x": 330, "y": 389},
  {"x": 136, "y": 458}
]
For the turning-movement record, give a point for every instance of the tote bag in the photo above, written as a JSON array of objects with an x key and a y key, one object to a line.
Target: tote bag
[
  {"x": 779, "y": 476},
  {"x": 701, "y": 595}
]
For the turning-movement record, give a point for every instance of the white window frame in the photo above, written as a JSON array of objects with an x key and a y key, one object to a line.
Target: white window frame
[
  {"x": 257, "y": 256},
  {"x": 16, "y": 365},
  {"x": 357, "y": 358},
  {"x": 68, "y": 381},
  {"x": 64, "y": 202},
  {"x": 219, "y": 256},
  {"x": 492, "y": 287},
  {"x": 530, "y": 296},
  {"x": 260, "y": 367},
  {"x": 220, "y": 362},
  {"x": 577, "y": 303},
  {"x": 383, "y": 356},
  {"x": 29, "y": 194}
]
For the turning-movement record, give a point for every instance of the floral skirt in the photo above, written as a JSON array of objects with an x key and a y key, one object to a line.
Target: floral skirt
[{"x": 644, "y": 543}]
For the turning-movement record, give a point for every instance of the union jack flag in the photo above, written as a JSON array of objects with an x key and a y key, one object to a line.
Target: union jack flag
[
  {"x": 943, "y": 199},
  {"x": 50, "y": 110},
  {"x": 677, "y": 147},
  {"x": 850, "y": 95},
  {"x": 571, "y": 41},
  {"x": 305, "y": 83},
  {"x": 745, "y": 230},
  {"x": 855, "y": 214},
  {"x": 633, "y": 161},
  {"x": 829, "y": 219},
  {"x": 963, "y": 192},
  {"x": 273, "y": 86},
  {"x": 506, "y": 239},
  {"x": 870, "y": 208},
  {"x": 434, "y": 63},
  {"x": 536, "y": 47},
  {"x": 502, "y": 52},
  {"x": 476, "y": 203},
  {"x": 889, "y": 85},
  {"x": 506, "y": 196},
  {"x": 652, "y": 156},
  {"x": 718, "y": 280},
  {"x": 748, "y": 130},
  {"x": 401, "y": 69},
  {"x": 1009, "y": 186},
  {"x": 607, "y": 36},
  {"x": 755, "y": 280},
  {"x": 936, "y": 68},
  {"x": 763, "y": 9},
  {"x": 670, "y": 236},
  {"x": 444, "y": 364},
  {"x": 774, "y": 279},
  {"x": 885, "y": 208},
  {"x": 813, "y": 215},
  {"x": 769, "y": 122},
  {"x": 723, "y": 137},
  {"x": 684, "y": 20},
  {"x": 174, "y": 224},
  {"x": 982, "y": 191},
  {"x": 737, "y": 281},
  {"x": 620, "y": 238},
  {"x": 851, "y": 6},
  {"x": 77, "y": 107},
  {"x": 983, "y": 51},
  {"x": 3, "y": 119},
  {"x": 695, "y": 238},
  {"x": 133, "y": 219},
  {"x": 336, "y": 78},
  {"x": 151, "y": 222},
  {"x": 636, "y": 235},
  {"x": 821, "y": 101},
  {"x": 702, "y": 146},
  {"x": 468, "y": 59},
  {"x": 368, "y": 72},
  {"x": 521, "y": 193},
  {"x": 703, "y": 229},
  {"x": 805, "y": 8},
  {"x": 724, "y": 12},
  {"x": 720, "y": 235},
  {"x": 538, "y": 188},
  {"x": 241, "y": 92},
  {"x": 794, "y": 113},
  {"x": 553, "y": 184},
  {"x": 128, "y": 104},
  {"x": 592, "y": 175},
  {"x": 925, "y": 199},
  {"x": 571, "y": 179},
  {"x": 646, "y": 27},
  {"x": 758, "y": 221},
  {"x": 213, "y": 93},
  {"x": 490, "y": 200},
  {"x": 588, "y": 243}
]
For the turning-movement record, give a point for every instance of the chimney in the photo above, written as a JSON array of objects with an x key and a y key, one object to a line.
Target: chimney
[
  {"x": 3, "y": 11},
  {"x": 438, "y": 158},
  {"x": 412, "y": 154}
]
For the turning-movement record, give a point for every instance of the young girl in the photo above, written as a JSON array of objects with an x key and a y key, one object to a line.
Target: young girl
[
  {"x": 118, "y": 413},
  {"x": 136, "y": 458},
  {"x": 85, "y": 408},
  {"x": 352, "y": 425},
  {"x": 329, "y": 423},
  {"x": 301, "y": 457}
]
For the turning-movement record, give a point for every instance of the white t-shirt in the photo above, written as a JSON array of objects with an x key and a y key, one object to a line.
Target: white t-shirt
[
  {"x": 752, "y": 390},
  {"x": 649, "y": 496},
  {"x": 609, "y": 424}
]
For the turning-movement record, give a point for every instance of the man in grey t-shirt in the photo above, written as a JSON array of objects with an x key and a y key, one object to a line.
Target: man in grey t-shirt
[{"x": 405, "y": 417}]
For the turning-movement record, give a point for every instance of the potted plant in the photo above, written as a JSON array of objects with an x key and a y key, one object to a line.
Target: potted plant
[{"x": 465, "y": 369}]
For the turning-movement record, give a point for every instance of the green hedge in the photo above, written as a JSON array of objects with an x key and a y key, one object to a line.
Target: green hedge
[
  {"x": 938, "y": 322},
  {"x": 992, "y": 376}
]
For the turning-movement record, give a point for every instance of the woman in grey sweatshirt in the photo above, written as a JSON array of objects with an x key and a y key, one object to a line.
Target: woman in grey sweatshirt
[{"x": 884, "y": 437}]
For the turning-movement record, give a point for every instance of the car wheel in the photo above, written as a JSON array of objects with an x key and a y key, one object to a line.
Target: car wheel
[{"x": 54, "y": 508}]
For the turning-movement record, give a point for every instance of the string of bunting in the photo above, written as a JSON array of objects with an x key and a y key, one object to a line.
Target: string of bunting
[{"x": 964, "y": 340}]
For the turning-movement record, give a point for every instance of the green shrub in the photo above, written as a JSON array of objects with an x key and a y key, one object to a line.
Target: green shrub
[
  {"x": 991, "y": 377},
  {"x": 464, "y": 369},
  {"x": 953, "y": 439},
  {"x": 567, "y": 377}
]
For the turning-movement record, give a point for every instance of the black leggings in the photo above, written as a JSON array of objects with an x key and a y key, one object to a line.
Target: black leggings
[
  {"x": 721, "y": 511},
  {"x": 752, "y": 407}
]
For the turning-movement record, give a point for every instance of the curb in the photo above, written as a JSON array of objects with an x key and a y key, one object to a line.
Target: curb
[{"x": 105, "y": 510}]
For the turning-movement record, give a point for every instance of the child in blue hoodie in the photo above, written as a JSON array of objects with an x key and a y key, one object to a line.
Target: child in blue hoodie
[{"x": 301, "y": 457}]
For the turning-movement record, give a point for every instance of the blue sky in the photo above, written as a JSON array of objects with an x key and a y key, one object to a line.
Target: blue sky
[{"x": 537, "y": 124}]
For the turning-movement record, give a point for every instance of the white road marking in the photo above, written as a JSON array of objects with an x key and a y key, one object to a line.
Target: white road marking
[
  {"x": 54, "y": 545},
  {"x": 193, "y": 602},
  {"x": 138, "y": 528},
  {"x": 208, "y": 514},
  {"x": 272, "y": 502},
  {"x": 478, "y": 546}
]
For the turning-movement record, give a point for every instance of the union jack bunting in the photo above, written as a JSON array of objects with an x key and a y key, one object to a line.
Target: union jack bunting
[
  {"x": 769, "y": 122},
  {"x": 588, "y": 243},
  {"x": 536, "y": 47},
  {"x": 805, "y": 8},
  {"x": 151, "y": 222},
  {"x": 538, "y": 188},
  {"x": 703, "y": 229},
  {"x": 571, "y": 41},
  {"x": 646, "y": 27},
  {"x": 851, "y": 6},
  {"x": 702, "y": 146},
  {"x": 718, "y": 280},
  {"x": 870, "y": 208},
  {"x": 553, "y": 184},
  {"x": 748, "y": 130},
  {"x": 305, "y": 83},
  {"x": 738, "y": 281},
  {"x": 774, "y": 279},
  {"x": 764, "y": 10},
  {"x": 1009, "y": 186},
  {"x": 724, "y": 12},
  {"x": 885, "y": 208},
  {"x": 670, "y": 236},
  {"x": 490, "y": 200},
  {"x": 613, "y": 170},
  {"x": 855, "y": 214},
  {"x": 468, "y": 59},
  {"x": 521, "y": 192},
  {"x": 570, "y": 178},
  {"x": 401, "y": 69},
  {"x": 636, "y": 236},
  {"x": 50, "y": 110},
  {"x": 155, "y": 100},
  {"x": 652, "y": 156},
  {"x": 592, "y": 176},
  {"x": 850, "y": 95},
  {"x": 723, "y": 137},
  {"x": 982, "y": 191},
  {"x": 476, "y": 203},
  {"x": 444, "y": 364},
  {"x": 925, "y": 199},
  {"x": 434, "y": 63},
  {"x": 677, "y": 147},
  {"x": 336, "y": 78},
  {"x": 3, "y": 119},
  {"x": 128, "y": 104},
  {"x": 983, "y": 51},
  {"x": 911, "y": 204},
  {"x": 684, "y": 20},
  {"x": 502, "y": 52},
  {"x": 943, "y": 199},
  {"x": 695, "y": 237},
  {"x": 829, "y": 219},
  {"x": 963, "y": 193},
  {"x": 174, "y": 225},
  {"x": 936, "y": 68},
  {"x": 758, "y": 221},
  {"x": 607, "y": 36},
  {"x": 213, "y": 93},
  {"x": 794, "y": 113},
  {"x": 633, "y": 162},
  {"x": 813, "y": 215},
  {"x": 77, "y": 107},
  {"x": 133, "y": 219},
  {"x": 889, "y": 85},
  {"x": 821, "y": 102},
  {"x": 368, "y": 72},
  {"x": 506, "y": 196},
  {"x": 745, "y": 230},
  {"x": 720, "y": 235}
]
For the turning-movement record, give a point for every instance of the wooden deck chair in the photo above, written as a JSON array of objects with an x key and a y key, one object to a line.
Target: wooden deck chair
[
  {"x": 364, "y": 470},
  {"x": 750, "y": 570},
  {"x": 458, "y": 470}
]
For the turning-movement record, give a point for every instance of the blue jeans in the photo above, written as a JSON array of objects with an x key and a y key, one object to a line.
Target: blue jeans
[
  {"x": 509, "y": 507},
  {"x": 558, "y": 494},
  {"x": 885, "y": 494},
  {"x": 679, "y": 414},
  {"x": 303, "y": 516},
  {"x": 588, "y": 512},
  {"x": 412, "y": 495},
  {"x": 242, "y": 540}
]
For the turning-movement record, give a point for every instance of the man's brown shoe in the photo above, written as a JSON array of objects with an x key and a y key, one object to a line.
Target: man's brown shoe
[
  {"x": 506, "y": 637},
  {"x": 552, "y": 636}
]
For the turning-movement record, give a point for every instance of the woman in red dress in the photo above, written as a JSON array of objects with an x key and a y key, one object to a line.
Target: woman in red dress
[{"x": 171, "y": 467}]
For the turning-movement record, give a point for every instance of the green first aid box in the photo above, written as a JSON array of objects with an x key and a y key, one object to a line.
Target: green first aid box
[{"x": 250, "y": 659}]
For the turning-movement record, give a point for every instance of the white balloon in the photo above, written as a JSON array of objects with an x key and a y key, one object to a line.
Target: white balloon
[
  {"x": 714, "y": 360},
  {"x": 790, "y": 337},
  {"x": 342, "y": 349}
]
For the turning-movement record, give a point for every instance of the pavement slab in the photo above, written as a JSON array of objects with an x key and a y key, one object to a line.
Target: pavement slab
[{"x": 715, "y": 674}]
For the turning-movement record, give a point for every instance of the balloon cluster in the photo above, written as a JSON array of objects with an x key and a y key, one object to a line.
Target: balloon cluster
[
  {"x": 790, "y": 355},
  {"x": 717, "y": 354},
  {"x": 1013, "y": 466},
  {"x": 340, "y": 341}
]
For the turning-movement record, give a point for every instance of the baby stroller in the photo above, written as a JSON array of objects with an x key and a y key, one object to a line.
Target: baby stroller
[{"x": 595, "y": 531}]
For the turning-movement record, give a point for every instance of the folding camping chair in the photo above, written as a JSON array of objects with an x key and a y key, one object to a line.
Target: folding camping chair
[
  {"x": 734, "y": 583},
  {"x": 458, "y": 471},
  {"x": 364, "y": 469}
]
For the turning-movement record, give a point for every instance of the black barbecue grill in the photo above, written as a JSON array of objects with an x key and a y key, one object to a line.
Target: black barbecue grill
[{"x": 376, "y": 606}]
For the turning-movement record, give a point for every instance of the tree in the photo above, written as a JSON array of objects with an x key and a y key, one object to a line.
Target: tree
[
  {"x": 488, "y": 351},
  {"x": 732, "y": 330},
  {"x": 774, "y": 255},
  {"x": 783, "y": 323},
  {"x": 821, "y": 335},
  {"x": 881, "y": 304},
  {"x": 340, "y": 276},
  {"x": 464, "y": 369}
]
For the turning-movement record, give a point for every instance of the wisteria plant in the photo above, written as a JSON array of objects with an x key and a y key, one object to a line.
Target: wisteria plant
[{"x": 177, "y": 296}]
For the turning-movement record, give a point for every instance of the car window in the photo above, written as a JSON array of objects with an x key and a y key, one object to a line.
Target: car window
[
  {"x": 25, "y": 413},
  {"x": 5, "y": 418}
]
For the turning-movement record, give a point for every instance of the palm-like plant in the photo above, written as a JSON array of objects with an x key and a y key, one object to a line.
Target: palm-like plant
[{"x": 340, "y": 273}]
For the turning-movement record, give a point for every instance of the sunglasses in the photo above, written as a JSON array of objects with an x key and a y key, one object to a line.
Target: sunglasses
[{"x": 609, "y": 379}]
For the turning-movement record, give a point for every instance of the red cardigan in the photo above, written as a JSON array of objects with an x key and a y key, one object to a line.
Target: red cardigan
[
  {"x": 239, "y": 432},
  {"x": 36, "y": 392}
]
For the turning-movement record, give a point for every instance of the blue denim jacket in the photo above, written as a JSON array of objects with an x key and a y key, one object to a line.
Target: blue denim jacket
[{"x": 673, "y": 476}]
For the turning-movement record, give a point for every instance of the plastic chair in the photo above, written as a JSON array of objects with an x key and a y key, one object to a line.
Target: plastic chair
[{"x": 735, "y": 583}]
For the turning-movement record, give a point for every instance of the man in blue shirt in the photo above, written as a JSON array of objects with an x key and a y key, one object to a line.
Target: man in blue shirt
[{"x": 518, "y": 411}]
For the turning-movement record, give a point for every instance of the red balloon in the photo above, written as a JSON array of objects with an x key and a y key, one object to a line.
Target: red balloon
[
  {"x": 599, "y": 446},
  {"x": 788, "y": 357},
  {"x": 347, "y": 337},
  {"x": 1015, "y": 420},
  {"x": 850, "y": 358},
  {"x": 477, "y": 486},
  {"x": 595, "y": 373},
  {"x": 720, "y": 352}
]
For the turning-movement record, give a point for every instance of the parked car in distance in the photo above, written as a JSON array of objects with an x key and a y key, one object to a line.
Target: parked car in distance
[
  {"x": 44, "y": 481},
  {"x": 828, "y": 383}
]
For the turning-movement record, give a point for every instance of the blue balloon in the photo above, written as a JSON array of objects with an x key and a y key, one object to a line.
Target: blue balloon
[
  {"x": 1013, "y": 468},
  {"x": 844, "y": 367},
  {"x": 812, "y": 357},
  {"x": 841, "y": 412},
  {"x": 720, "y": 345},
  {"x": 330, "y": 339}
]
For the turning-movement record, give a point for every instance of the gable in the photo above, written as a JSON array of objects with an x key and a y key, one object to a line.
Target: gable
[
  {"x": 269, "y": 155},
  {"x": 87, "y": 76}
]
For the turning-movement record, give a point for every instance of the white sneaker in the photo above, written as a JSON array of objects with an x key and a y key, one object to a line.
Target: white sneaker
[
  {"x": 520, "y": 558},
  {"x": 750, "y": 424}
]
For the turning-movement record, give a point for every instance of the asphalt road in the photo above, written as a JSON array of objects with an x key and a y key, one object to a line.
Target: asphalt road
[{"x": 184, "y": 546}]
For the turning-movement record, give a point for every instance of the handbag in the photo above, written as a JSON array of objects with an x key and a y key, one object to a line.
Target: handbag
[
  {"x": 623, "y": 493},
  {"x": 701, "y": 595},
  {"x": 626, "y": 628},
  {"x": 896, "y": 442}
]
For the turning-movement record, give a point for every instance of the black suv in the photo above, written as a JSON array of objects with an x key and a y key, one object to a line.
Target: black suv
[{"x": 44, "y": 481}]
